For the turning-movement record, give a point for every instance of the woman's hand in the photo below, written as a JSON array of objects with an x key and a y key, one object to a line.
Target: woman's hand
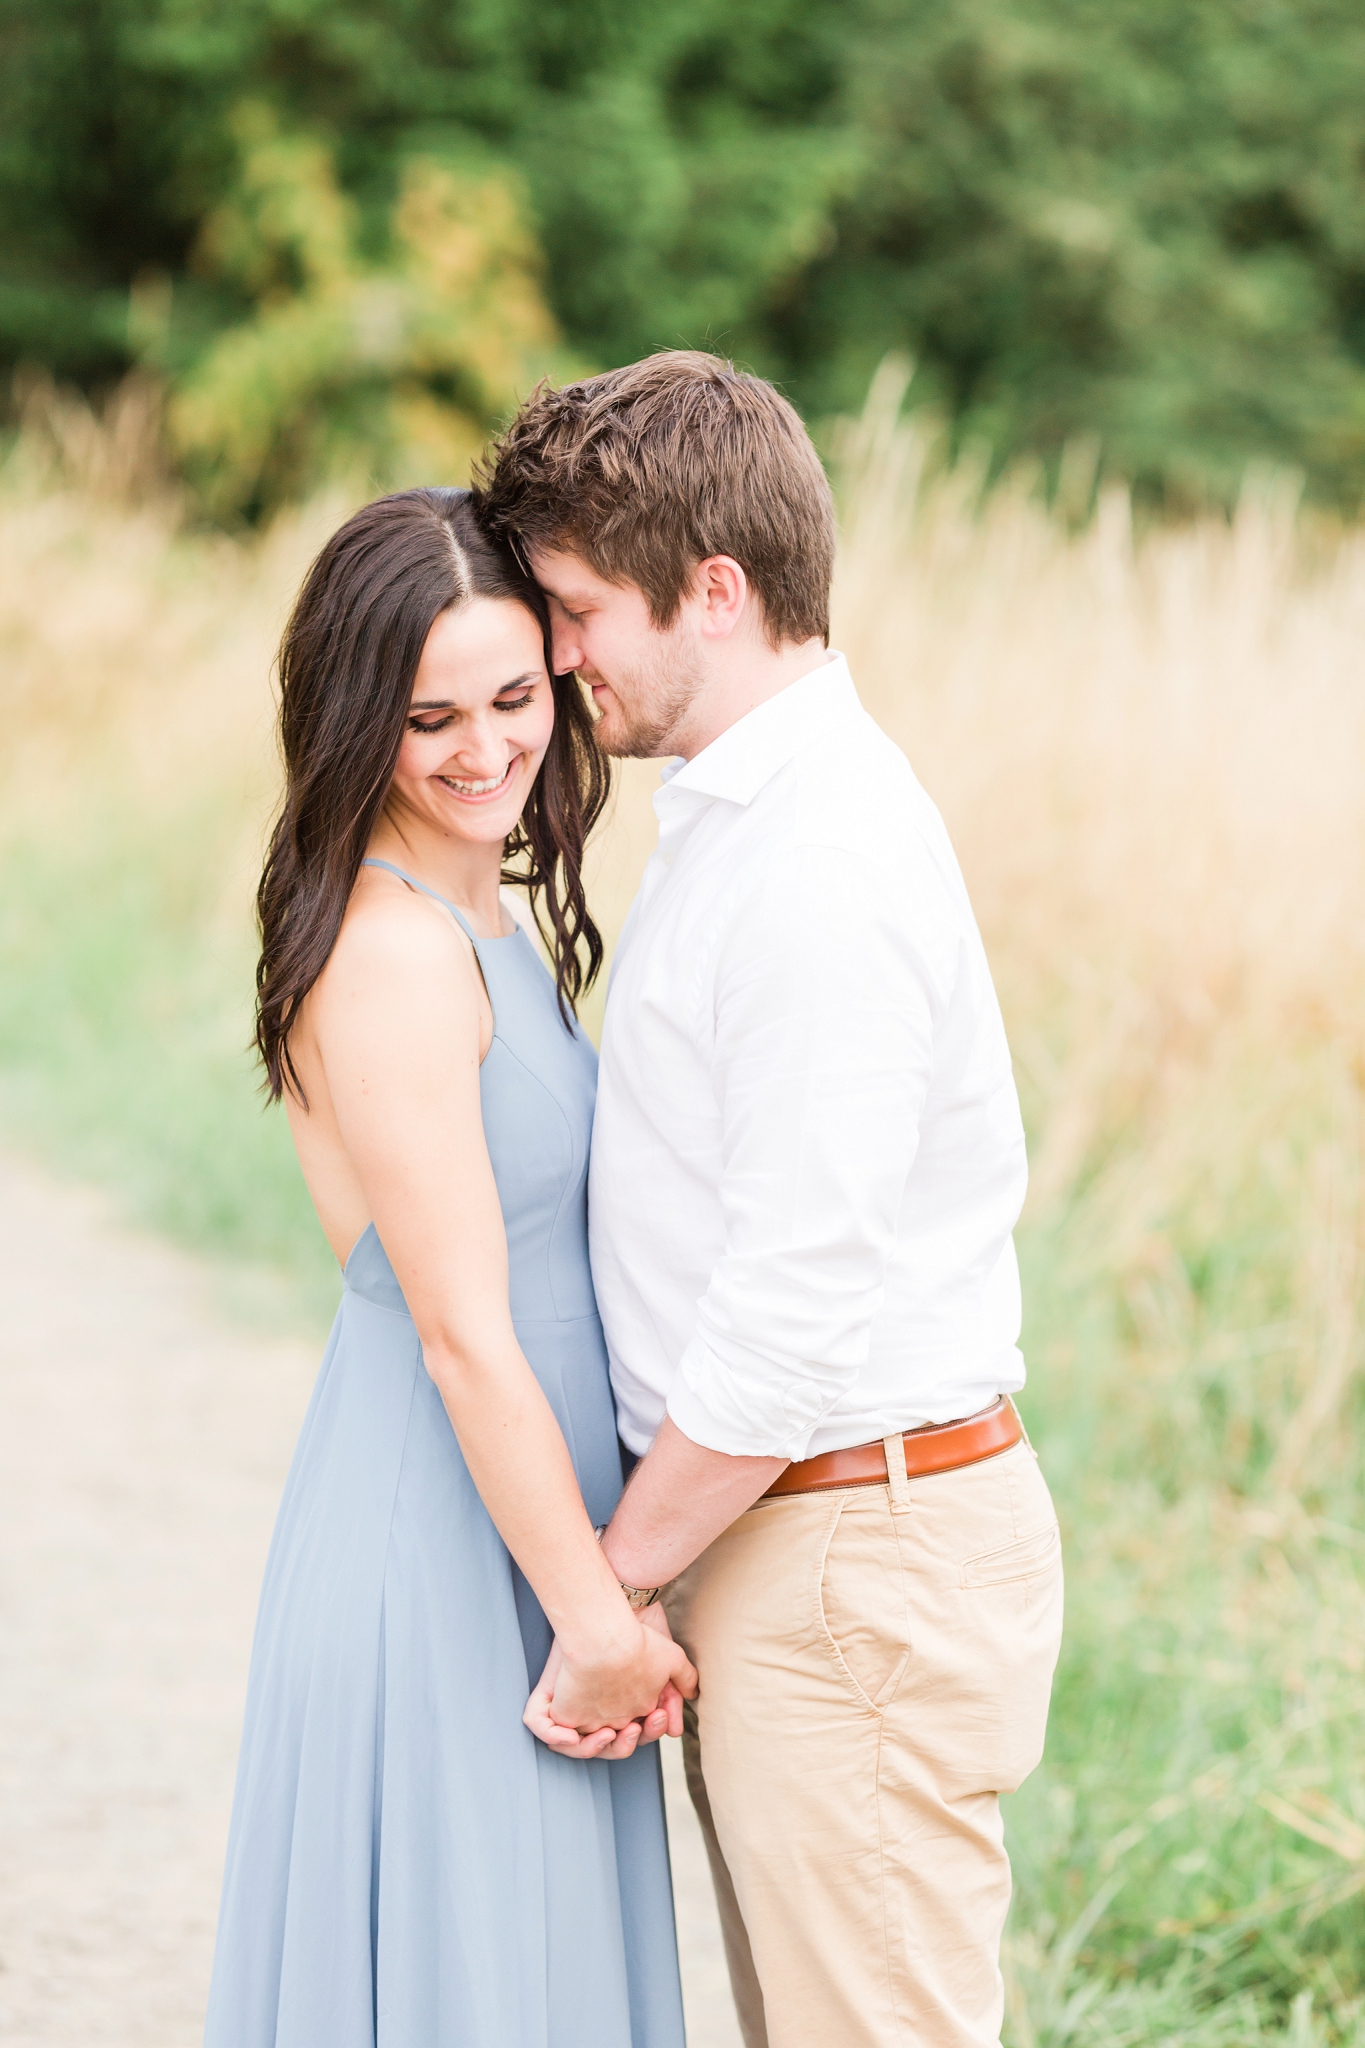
[{"x": 605, "y": 1704}]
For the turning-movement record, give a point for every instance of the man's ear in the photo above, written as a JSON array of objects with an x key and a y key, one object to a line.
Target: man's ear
[{"x": 721, "y": 591}]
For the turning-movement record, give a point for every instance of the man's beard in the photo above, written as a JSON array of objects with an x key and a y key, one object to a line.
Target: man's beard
[{"x": 661, "y": 690}]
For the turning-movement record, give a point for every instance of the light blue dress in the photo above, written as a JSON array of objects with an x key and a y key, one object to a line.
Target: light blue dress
[{"x": 407, "y": 1866}]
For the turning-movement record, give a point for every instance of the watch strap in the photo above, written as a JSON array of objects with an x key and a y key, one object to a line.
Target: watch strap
[{"x": 637, "y": 1597}]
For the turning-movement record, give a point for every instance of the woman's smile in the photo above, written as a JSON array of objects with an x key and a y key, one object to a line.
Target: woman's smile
[{"x": 480, "y": 792}]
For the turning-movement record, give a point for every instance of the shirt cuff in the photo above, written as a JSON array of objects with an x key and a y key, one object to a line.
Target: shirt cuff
[{"x": 756, "y": 1436}]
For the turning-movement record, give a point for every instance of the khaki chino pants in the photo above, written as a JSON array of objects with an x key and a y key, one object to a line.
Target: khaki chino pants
[{"x": 875, "y": 1670}]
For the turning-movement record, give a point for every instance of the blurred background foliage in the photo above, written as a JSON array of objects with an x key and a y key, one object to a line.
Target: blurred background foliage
[
  {"x": 351, "y": 232},
  {"x": 400, "y": 363}
]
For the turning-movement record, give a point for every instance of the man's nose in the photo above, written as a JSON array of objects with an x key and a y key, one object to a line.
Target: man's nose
[{"x": 566, "y": 645}]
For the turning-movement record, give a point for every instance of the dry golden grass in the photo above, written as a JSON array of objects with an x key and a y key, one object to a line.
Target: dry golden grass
[
  {"x": 1150, "y": 751},
  {"x": 1151, "y": 756}
]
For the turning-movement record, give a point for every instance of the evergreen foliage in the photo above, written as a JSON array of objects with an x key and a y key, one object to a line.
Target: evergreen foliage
[{"x": 1140, "y": 221}]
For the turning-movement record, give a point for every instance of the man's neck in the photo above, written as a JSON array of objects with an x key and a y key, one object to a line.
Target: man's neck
[{"x": 743, "y": 677}]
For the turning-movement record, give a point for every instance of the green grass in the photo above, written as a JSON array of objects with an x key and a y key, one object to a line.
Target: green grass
[
  {"x": 1207, "y": 1719},
  {"x": 124, "y": 1019}
]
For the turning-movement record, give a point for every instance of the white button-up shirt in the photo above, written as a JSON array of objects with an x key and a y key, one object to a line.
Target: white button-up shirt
[{"x": 808, "y": 1156}]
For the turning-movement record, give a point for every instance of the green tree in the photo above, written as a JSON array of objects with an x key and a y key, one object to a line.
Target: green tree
[
  {"x": 1139, "y": 221},
  {"x": 681, "y": 157},
  {"x": 347, "y": 364}
]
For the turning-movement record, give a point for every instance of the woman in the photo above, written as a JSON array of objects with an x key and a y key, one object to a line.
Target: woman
[{"x": 407, "y": 1866}]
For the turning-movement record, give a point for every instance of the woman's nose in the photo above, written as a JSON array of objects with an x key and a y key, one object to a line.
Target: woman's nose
[{"x": 482, "y": 751}]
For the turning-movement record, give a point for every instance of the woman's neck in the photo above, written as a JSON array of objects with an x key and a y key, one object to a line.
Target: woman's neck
[{"x": 467, "y": 874}]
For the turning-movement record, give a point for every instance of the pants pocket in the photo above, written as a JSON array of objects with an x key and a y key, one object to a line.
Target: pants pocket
[
  {"x": 985, "y": 1625},
  {"x": 862, "y": 1611},
  {"x": 1013, "y": 1613},
  {"x": 1026, "y": 1558}
]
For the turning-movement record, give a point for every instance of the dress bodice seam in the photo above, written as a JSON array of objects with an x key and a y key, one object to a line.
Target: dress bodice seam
[
  {"x": 518, "y": 1322},
  {"x": 385, "y": 1308}
]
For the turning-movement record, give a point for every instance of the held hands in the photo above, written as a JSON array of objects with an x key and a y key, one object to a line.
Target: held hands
[{"x": 606, "y": 1703}]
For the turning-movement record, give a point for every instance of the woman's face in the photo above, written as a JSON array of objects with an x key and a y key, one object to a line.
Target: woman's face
[{"x": 479, "y": 723}]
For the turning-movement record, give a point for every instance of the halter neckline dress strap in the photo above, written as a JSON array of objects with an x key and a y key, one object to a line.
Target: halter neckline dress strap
[{"x": 371, "y": 862}]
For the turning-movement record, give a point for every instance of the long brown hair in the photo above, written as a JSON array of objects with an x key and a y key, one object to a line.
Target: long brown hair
[{"x": 347, "y": 663}]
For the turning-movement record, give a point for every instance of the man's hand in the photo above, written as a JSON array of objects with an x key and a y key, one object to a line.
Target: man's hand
[
  {"x": 606, "y": 1707},
  {"x": 670, "y": 1699},
  {"x": 606, "y": 1742}
]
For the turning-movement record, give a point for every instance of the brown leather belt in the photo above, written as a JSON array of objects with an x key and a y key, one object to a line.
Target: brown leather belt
[{"x": 938, "y": 1447}]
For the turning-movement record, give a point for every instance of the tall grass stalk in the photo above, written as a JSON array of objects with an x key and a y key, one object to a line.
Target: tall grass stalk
[{"x": 1151, "y": 753}]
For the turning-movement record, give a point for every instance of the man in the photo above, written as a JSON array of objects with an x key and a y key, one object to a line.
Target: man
[{"x": 807, "y": 1163}]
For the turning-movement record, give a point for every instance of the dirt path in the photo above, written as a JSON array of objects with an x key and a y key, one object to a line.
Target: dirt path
[{"x": 143, "y": 1443}]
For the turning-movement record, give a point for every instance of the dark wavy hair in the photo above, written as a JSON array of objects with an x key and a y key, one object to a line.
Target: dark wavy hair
[{"x": 347, "y": 663}]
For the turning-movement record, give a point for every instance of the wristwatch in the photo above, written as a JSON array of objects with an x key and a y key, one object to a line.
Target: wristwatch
[{"x": 637, "y": 1597}]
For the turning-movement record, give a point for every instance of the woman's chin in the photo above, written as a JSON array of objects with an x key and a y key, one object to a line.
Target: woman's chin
[{"x": 481, "y": 824}]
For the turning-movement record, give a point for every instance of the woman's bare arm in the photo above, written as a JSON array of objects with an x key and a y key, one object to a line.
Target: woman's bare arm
[{"x": 394, "y": 1021}]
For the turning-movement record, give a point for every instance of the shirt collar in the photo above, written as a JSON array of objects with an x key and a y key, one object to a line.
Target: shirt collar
[{"x": 749, "y": 753}]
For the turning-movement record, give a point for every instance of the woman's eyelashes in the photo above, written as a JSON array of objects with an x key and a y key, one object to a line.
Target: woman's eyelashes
[{"x": 426, "y": 725}]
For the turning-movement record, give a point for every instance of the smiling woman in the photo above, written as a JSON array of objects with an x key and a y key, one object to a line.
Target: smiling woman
[
  {"x": 395, "y": 599},
  {"x": 401, "y": 1845},
  {"x": 481, "y": 721},
  {"x": 476, "y": 735}
]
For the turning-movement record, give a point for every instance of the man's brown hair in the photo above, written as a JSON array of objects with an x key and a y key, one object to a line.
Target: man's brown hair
[{"x": 647, "y": 470}]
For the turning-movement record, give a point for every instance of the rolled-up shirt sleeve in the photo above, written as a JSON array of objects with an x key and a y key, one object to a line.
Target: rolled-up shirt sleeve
[{"x": 824, "y": 1013}]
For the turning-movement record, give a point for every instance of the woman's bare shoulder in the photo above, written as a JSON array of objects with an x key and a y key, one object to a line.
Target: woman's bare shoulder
[{"x": 393, "y": 941}]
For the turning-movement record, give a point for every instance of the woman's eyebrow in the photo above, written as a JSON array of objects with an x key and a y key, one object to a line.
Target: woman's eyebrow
[{"x": 448, "y": 703}]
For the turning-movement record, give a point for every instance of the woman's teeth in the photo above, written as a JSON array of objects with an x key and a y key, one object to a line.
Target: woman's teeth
[{"x": 477, "y": 788}]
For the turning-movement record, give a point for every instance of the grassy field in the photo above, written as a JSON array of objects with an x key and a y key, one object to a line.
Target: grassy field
[{"x": 1151, "y": 754}]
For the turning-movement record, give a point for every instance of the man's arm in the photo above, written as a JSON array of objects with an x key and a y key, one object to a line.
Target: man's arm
[{"x": 679, "y": 1499}]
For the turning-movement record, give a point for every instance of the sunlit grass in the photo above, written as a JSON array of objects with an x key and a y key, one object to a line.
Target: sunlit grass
[
  {"x": 137, "y": 771},
  {"x": 1152, "y": 759}
]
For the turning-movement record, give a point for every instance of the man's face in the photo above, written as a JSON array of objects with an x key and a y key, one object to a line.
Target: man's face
[{"x": 643, "y": 679}]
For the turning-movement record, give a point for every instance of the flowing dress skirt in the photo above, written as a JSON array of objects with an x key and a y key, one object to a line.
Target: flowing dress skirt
[{"x": 407, "y": 1866}]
